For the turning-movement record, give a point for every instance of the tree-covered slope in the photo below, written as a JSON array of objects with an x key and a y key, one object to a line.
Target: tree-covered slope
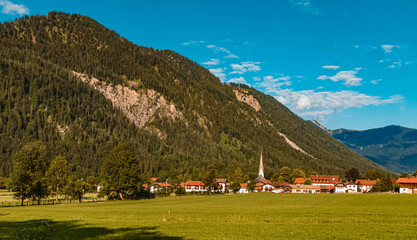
[{"x": 81, "y": 88}]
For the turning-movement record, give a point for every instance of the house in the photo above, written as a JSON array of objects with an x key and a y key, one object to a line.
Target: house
[
  {"x": 408, "y": 185},
  {"x": 301, "y": 188},
  {"x": 279, "y": 187},
  {"x": 365, "y": 185},
  {"x": 340, "y": 188},
  {"x": 243, "y": 188},
  {"x": 324, "y": 180},
  {"x": 159, "y": 187},
  {"x": 267, "y": 187},
  {"x": 221, "y": 184},
  {"x": 351, "y": 187},
  {"x": 326, "y": 189},
  {"x": 194, "y": 186}
]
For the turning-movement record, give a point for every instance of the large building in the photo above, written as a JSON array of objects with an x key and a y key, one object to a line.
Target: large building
[{"x": 408, "y": 185}]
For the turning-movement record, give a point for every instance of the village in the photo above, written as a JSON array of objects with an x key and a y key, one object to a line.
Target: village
[
  {"x": 312, "y": 184},
  {"x": 320, "y": 184}
]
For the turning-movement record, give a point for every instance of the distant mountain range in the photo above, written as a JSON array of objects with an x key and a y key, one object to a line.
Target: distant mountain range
[{"x": 393, "y": 147}]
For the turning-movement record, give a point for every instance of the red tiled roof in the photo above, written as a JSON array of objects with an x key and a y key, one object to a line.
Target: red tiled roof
[
  {"x": 407, "y": 180},
  {"x": 163, "y": 184},
  {"x": 366, "y": 182},
  {"x": 194, "y": 183},
  {"x": 221, "y": 180},
  {"x": 145, "y": 185},
  {"x": 279, "y": 184},
  {"x": 182, "y": 184},
  {"x": 302, "y": 186},
  {"x": 325, "y": 178},
  {"x": 243, "y": 185},
  {"x": 299, "y": 180},
  {"x": 394, "y": 180}
]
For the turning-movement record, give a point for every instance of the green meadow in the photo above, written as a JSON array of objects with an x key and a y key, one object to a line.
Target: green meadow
[{"x": 245, "y": 216}]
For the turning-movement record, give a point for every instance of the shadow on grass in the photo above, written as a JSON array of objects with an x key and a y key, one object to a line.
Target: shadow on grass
[{"x": 47, "y": 229}]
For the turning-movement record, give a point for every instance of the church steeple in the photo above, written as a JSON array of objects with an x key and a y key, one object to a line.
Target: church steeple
[
  {"x": 261, "y": 167},
  {"x": 261, "y": 175}
]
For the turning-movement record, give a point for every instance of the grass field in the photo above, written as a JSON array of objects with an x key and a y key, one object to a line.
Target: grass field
[{"x": 246, "y": 216}]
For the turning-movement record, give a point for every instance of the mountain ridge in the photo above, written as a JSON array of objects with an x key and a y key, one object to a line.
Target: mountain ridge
[{"x": 392, "y": 146}]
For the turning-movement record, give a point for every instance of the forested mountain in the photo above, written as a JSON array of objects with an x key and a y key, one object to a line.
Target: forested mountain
[
  {"x": 393, "y": 147},
  {"x": 80, "y": 88}
]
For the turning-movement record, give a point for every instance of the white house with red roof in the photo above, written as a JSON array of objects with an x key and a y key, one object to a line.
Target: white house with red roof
[
  {"x": 243, "y": 188},
  {"x": 194, "y": 186},
  {"x": 408, "y": 185},
  {"x": 365, "y": 185},
  {"x": 351, "y": 187},
  {"x": 324, "y": 180},
  {"x": 340, "y": 188}
]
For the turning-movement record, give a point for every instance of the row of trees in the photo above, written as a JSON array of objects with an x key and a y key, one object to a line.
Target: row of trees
[{"x": 35, "y": 176}]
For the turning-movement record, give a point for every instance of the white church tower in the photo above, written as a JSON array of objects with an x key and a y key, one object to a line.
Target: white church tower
[{"x": 261, "y": 175}]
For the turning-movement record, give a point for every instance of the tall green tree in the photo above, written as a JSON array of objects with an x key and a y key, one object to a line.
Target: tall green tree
[
  {"x": 75, "y": 188},
  {"x": 384, "y": 185},
  {"x": 121, "y": 172},
  {"x": 352, "y": 174},
  {"x": 238, "y": 175},
  {"x": 404, "y": 175},
  {"x": 210, "y": 178},
  {"x": 415, "y": 173},
  {"x": 57, "y": 174},
  {"x": 29, "y": 166},
  {"x": 286, "y": 174},
  {"x": 275, "y": 177},
  {"x": 297, "y": 173},
  {"x": 372, "y": 174}
]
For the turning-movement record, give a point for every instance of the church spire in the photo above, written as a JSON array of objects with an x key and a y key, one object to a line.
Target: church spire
[
  {"x": 261, "y": 175},
  {"x": 261, "y": 167}
]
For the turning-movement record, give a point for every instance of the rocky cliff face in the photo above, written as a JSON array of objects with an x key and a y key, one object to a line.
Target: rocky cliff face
[
  {"x": 139, "y": 106},
  {"x": 248, "y": 99}
]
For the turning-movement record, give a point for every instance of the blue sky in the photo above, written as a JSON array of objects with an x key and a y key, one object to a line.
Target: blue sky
[{"x": 346, "y": 63}]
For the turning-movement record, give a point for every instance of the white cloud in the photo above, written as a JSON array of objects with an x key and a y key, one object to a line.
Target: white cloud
[
  {"x": 331, "y": 67},
  {"x": 218, "y": 72},
  {"x": 318, "y": 105},
  {"x": 376, "y": 81},
  {"x": 270, "y": 83},
  {"x": 396, "y": 64},
  {"x": 239, "y": 80},
  {"x": 305, "y": 5},
  {"x": 388, "y": 48},
  {"x": 348, "y": 78},
  {"x": 218, "y": 49},
  {"x": 192, "y": 42},
  {"x": 245, "y": 67},
  {"x": 231, "y": 56},
  {"x": 13, "y": 9},
  {"x": 212, "y": 62}
]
